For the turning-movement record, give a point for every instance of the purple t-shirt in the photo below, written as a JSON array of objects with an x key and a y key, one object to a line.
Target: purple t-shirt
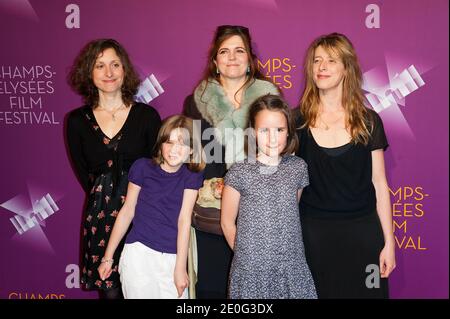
[{"x": 155, "y": 222}]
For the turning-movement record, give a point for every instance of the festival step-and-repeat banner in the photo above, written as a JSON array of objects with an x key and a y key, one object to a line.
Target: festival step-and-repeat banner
[{"x": 403, "y": 49}]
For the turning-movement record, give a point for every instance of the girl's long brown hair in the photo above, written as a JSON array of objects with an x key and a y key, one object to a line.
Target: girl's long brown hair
[
  {"x": 275, "y": 103},
  {"x": 190, "y": 138}
]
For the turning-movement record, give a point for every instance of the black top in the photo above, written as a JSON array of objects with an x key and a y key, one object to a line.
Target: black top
[
  {"x": 213, "y": 168},
  {"x": 90, "y": 152},
  {"x": 340, "y": 178},
  {"x": 336, "y": 151}
]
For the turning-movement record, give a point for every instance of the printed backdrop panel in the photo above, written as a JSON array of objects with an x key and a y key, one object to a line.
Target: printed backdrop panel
[{"x": 403, "y": 50}]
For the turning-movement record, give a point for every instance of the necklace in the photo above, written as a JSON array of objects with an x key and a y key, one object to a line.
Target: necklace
[
  {"x": 327, "y": 127},
  {"x": 113, "y": 113}
]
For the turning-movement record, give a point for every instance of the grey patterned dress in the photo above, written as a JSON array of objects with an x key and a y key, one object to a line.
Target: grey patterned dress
[{"x": 269, "y": 259}]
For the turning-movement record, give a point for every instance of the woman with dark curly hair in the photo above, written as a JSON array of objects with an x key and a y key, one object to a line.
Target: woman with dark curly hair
[{"x": 104, "y": 138}]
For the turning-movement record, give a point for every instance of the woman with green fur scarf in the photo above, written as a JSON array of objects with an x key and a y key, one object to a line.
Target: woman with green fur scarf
[{"x": 232, "y": 81}]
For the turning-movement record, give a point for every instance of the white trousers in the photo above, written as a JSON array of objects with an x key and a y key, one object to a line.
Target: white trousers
[{"x": 147, "y": 274}]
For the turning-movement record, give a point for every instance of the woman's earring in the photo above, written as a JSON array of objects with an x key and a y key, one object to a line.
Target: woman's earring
[
  {"x": 217, "y": 71},
  {"x": 248, "y": 69}
]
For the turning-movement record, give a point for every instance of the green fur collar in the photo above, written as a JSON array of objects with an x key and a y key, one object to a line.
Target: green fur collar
[{"x": 218, "y": 110}]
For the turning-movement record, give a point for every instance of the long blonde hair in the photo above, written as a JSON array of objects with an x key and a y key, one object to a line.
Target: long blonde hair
[{"x": 357, "y": 115}]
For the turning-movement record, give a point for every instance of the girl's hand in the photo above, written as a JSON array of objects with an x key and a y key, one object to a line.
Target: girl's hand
[
  {"x": 181, "y": 280},
  {"x": 105, "y": 270},
  {"x": 387, "y": 260}
]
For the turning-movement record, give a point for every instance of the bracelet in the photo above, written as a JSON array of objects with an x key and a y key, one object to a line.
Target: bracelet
[{"x": 107, "y": 260}]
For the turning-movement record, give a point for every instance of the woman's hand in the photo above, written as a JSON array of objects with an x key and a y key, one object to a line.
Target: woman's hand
[
  {"x": 387, "y": 260},
  {"x": 104, "y": 269},
  {"x": 181, "y": 280}
]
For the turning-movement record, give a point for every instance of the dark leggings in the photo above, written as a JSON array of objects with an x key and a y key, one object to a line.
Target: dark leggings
[{"x": 114, "y": 293}]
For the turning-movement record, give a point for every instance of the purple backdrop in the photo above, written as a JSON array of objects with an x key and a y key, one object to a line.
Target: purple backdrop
[{"x": 403, "y": 49}]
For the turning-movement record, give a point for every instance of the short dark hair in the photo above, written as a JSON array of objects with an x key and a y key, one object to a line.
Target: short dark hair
[{"x": 80, "y": 75}]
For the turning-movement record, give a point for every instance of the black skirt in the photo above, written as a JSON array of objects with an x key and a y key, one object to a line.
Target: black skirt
[{"x": 339, "y": 250}]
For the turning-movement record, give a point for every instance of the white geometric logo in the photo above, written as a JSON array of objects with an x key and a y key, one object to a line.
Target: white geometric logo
[
  {"x": 403, "y": 84},
  {"x": 43, "y": 209},
  {"x": 31, "y": 213},
  {"x": 149, "y": 89},
  {"x": 387, "y": 86}
]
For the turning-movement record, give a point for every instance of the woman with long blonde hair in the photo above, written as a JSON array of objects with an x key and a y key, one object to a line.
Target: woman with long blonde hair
[{"x": 346, "y": 209}]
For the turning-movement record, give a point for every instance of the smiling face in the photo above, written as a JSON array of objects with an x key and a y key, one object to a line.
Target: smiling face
[
  {"x": 175, "y": 151},
  {"x": 271, "y": 132},
  {"x": 232, "y": 58},
  {"x": 328, "y": 70},
  {"x": 108, "y": 73}
]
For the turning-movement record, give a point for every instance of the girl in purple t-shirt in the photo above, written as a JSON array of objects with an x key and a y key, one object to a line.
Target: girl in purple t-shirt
[{"x": 161, "y": 196}]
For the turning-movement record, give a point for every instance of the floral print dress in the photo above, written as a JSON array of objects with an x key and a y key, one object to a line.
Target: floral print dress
[
  {"x": 102, "y": 165},
  {"x": 104, "y": 203}
]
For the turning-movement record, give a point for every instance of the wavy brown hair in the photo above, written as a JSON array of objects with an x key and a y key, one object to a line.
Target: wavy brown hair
[
  {"x": 223, "y": 33},
  {"x": 186, "y": 124},
  {"x": 357, "y": 115},
  {"x": 80, "y": 75},
  {"x": 275, "y": 103}
]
